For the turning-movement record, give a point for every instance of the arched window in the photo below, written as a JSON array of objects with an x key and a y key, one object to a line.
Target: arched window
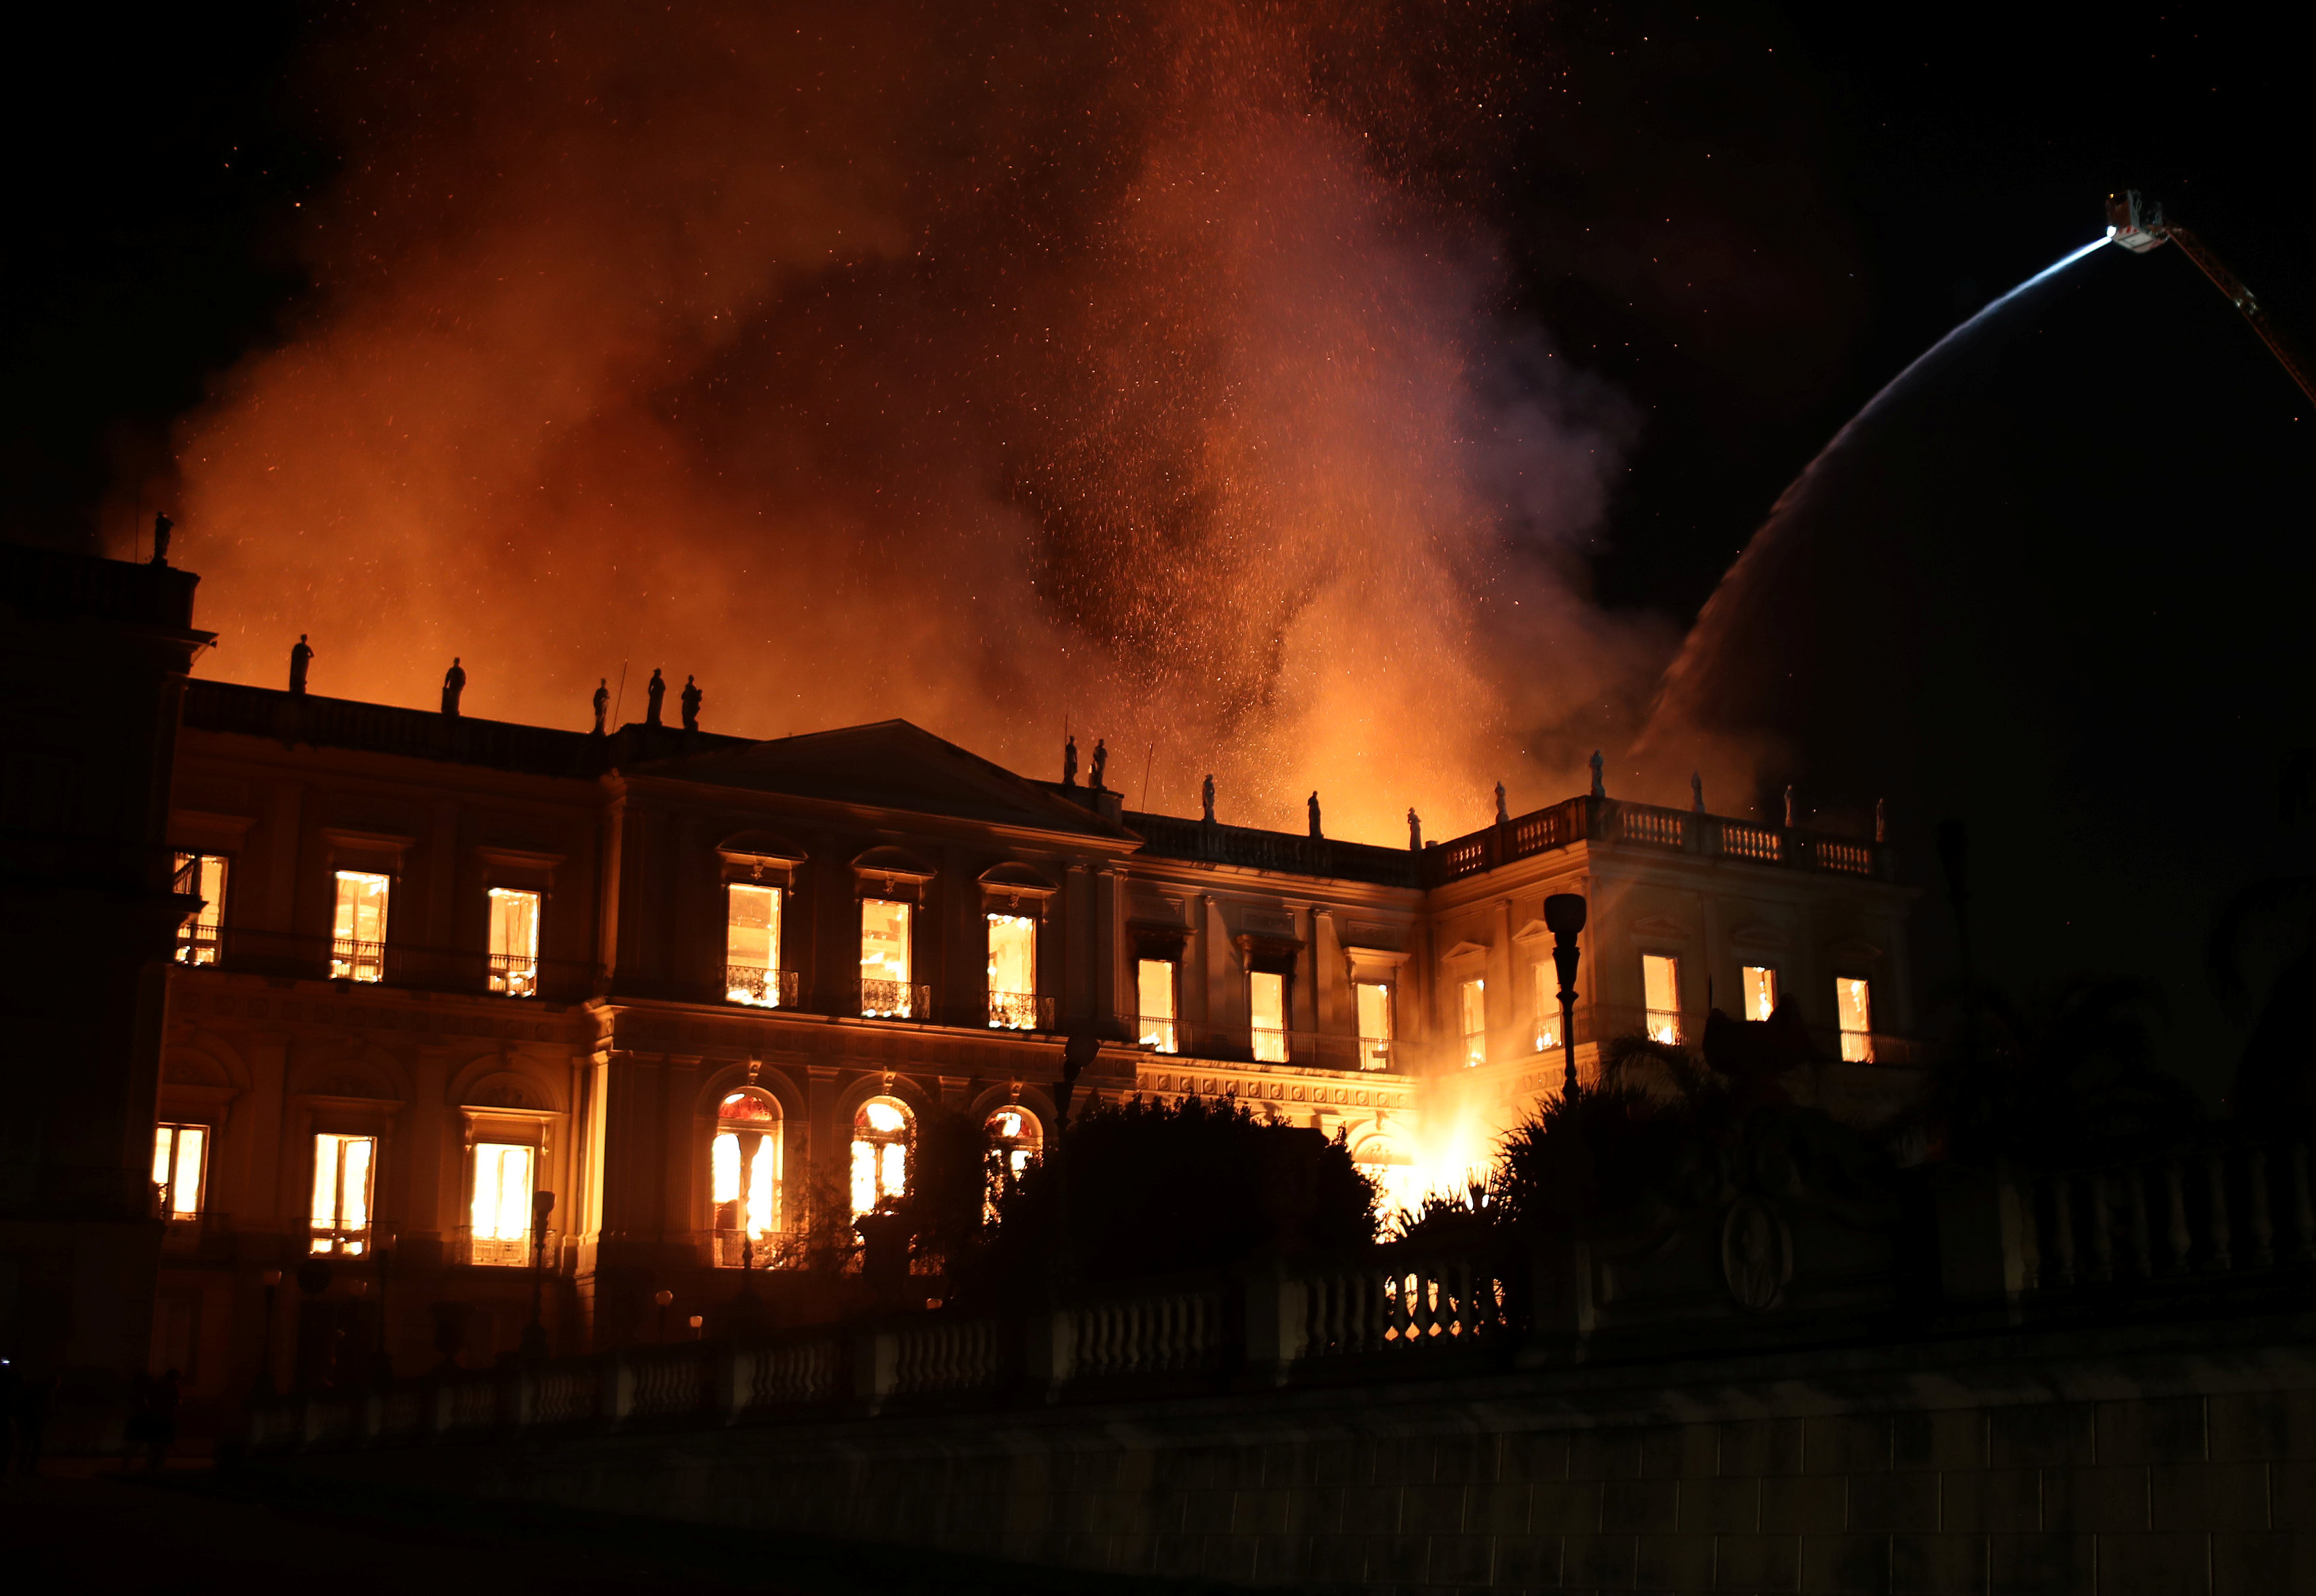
[
  {"x": 1399, "y": 1184},
  {"x": 1015, "y": 1141},
  {"x": 744, "y": 1179},
  {"x": 881, "y": 1153}
]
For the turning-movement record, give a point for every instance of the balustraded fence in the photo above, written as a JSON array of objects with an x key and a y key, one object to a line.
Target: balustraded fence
[
  {"x": 2186, "y": 1217},
  {"x": 2226, "y": 1222}
]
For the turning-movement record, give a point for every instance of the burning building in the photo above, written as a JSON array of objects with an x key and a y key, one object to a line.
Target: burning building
[{"x": 484, "y": 1026}]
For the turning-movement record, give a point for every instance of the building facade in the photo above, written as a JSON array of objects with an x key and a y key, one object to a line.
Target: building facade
[{"x": 698, "y": 988}]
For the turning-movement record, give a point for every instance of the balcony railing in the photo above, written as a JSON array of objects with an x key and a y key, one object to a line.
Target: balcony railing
[
  {"x": 390, "y": 964},
  {"x": 502, "y": 1251},
  {"x": 351, "y": 960},
  {"x": 1020, "y": 1010},
  {"x": 895, "y": 1000},
  {"x": 757, "y": 987},
  {"x": 1246, "y": 1044},
  {"x": 1650, "y": 825},
  {"x": 198, "y": 942}
]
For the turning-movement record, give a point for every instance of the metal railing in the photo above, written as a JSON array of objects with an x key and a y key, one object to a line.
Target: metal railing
[
  {"x": 1236, "y": 1044},
  {"x": 757, "y": 987},
  {"x": 1020, "y": 1010},
  {"x": 315, "y": 958},
  {"x": 895, "y": 1000},
  {"x": 352, "y": 960},
  {"x": 502, "y": 1251}
]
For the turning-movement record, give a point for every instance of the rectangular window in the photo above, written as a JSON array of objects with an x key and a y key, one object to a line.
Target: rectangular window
[
  {"x": 1853, "y": 1004},
  {"x": 514, "y": 942},
  {"x": 181, "y": 1168},
  {"x": 343, "y": 1169},
  {"x": 201, "y": 939},
  {"x": 885, "y": 989},
  {"x": 1375, "y": 1024},
  {"x": 498, "y": 1216},
  {"x": 1153, "y": 980},
  {"x": 1661, "y": 997},
  {"x": 1548, "y": 1006},
  {"x": 1760, "y": 991},
  {"x": 1266, "y": 994},
  {"x": 358, "y": 948},
  {"x": 1472, "y": 1011},
  {"x": 1013, "y": 972},
  {"x": 751, "y": 945}
]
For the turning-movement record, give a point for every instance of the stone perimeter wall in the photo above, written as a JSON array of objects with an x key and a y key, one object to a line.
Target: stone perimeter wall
[{"x": 2107, "y": 1476}]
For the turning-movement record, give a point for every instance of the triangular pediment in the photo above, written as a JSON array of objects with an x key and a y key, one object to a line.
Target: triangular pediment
[{"x": 892, "y": 765}]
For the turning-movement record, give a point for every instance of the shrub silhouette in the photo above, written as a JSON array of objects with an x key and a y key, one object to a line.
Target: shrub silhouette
[{"x": 1149, "y": 1188}]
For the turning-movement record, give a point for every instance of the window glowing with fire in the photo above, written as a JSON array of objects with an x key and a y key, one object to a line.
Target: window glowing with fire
[
  {"x": 744, "y": 1179},
  {"x": 881, "y": 1153},
  {"x": 885, "y": 988}
]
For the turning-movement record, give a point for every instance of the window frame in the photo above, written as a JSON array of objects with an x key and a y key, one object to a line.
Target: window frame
[
  {"x": 1475, "y": 1041},
  {"x": 166, "y": 1196},
  {"x": 767, "y": 993},
  {"x": 1256, "y": 1034},
  {"x": 1021, "y": 1012},
  {"x": 1672, "y": 1034},
  {"x": 856, "y": 1138},
  {"x": 1169, "y": 1037},
  {"x": 503, "y": 979},
  {"x": 1371, "y": 1057},
  {"x": 1548, "y": 1017},
  {"x": 342, "y": 1240},
  {"x": 903, "y": 991},
  {"x": 189, "y": 939},
  {"x": 354, "y": 962},
  {"x": 1863, "y": 1044},
  {"x": 492, "y": 1252},
  {"x": 1745, "y": 972},
  {"x": 749, "y": 1244}
]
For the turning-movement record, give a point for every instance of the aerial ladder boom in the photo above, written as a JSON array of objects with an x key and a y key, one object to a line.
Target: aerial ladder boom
[{"x": 2137, "y": 224}]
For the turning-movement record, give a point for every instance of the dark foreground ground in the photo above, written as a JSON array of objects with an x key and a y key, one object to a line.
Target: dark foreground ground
[{"x": 188, "y": 1532}]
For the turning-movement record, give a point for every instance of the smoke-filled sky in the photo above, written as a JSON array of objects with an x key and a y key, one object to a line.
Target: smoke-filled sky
[
  {"x": 1359, "y": 396},
  {"x": 1002, "y": 369}
]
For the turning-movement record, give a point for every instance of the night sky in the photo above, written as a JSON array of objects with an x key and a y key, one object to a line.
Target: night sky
[{"x": 1748, "y": 217}]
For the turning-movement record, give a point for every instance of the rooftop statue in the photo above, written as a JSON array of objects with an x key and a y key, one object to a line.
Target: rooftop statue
[
  {"x": 1600, "y": 788},
  {"x": 300, "y": 658},
  {"x": 1207, "y": 800},
  {"x": 1789, "y": 807},
  {"x": 1503, "y": 817},
  {"x": 654, "y": 691},
  {"x": 161, "y": 525},
  {"x": 1314, "y": 814},
  {"x": 1100, "y": 759},
  {"x": 603, "y": 702},
  {"x": 1069, "y": 761},
  {"x": 1415, "y": 830},
  {"x": 1696, "y": 791},
  {"x": 691, "y": 696},
  {"x": 454, "y": 682}
]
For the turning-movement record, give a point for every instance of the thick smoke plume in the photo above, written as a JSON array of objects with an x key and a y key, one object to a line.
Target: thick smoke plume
[{"x": 1001, "y": 369}]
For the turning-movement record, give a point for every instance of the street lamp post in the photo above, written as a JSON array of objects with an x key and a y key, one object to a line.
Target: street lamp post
[
  {"x": 272, "y": 1280},
  {"x": 382, "y": 1357},
  {"x": 662, "y": 1296},
  {"x": 534, "y": 1339},
  {"x": 1564, "y": 916}
]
